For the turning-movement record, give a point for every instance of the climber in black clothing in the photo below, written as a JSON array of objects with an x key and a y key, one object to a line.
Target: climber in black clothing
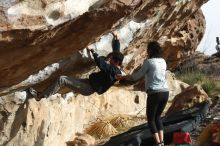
[{"x": 98, "y": 82}]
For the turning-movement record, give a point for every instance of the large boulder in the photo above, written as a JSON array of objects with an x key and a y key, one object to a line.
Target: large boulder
[
  {"x": 209, "y": 65},
  {"x": 184, "y": 42},
  {"x": 188, "y": 98},
  {"x": 54, "y": 121},
  {"x": 35, "y": 34},
  {"x": 26, "y": 48},
  {"x": 50, "y": 36}
]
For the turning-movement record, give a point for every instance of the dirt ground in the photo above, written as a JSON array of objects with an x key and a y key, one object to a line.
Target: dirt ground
[{"x": 213, "y": 117}]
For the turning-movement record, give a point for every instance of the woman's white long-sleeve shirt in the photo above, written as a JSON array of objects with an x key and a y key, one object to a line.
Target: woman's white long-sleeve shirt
[{"x": 154, "y": 72}]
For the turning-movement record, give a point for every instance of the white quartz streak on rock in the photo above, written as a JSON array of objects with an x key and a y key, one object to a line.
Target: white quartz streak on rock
[
  {"x": 55, "y": 13},
  {"x": 126, "y": 34}
]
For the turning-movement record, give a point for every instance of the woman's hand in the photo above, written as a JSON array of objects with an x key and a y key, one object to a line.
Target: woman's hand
[{"x": 121, "y": 77}]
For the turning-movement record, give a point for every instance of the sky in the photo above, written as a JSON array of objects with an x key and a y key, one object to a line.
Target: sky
[{"x": 211, "y": 11}]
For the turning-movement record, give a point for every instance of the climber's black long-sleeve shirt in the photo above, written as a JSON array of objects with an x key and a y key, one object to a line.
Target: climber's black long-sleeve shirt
[{"x": 101, "y": 81}]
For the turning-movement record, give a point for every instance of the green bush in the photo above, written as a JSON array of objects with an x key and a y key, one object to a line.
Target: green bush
[
  {"x": 209, "y": 87},
  {"x": 191, "y": 78}
]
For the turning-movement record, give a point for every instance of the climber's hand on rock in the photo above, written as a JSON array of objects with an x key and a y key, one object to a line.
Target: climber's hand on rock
[
  {"x": 90, "y": 50},
  {"x": 115, "y": 35}
]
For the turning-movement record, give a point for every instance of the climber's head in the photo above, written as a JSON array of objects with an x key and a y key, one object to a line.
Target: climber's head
[{"x": 116, "y": 58}]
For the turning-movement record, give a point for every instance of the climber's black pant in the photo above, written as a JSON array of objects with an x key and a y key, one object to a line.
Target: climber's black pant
[{"x": 156, "y": 103}]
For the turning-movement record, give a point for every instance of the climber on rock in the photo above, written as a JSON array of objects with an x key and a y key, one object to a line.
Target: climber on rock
[{"x": 98, "y": 82}]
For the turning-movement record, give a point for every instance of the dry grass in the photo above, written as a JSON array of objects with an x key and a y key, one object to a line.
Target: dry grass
[
  {"x": 122, "y": 122},
  {"x": 112, "y": 125},
  {"x": 101, "y": 129}
]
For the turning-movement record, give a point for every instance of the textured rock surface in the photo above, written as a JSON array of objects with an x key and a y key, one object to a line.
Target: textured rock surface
[
  {"x": 184, "y": 42},
  {"x": 55, "y": 121},
  {"x": 82, "y": 140},
  {"x": 79, "y": 63},
  {"x": 35, "y": 34},
  {"x": 175, "y": 86},
  {"x": 199, "y": 62},
  {"x": 188, "y": 98},
  {"x": 179, "y": 40},
  {"x": 30, "y": 50},
  {"x": 38, "y": 14}
]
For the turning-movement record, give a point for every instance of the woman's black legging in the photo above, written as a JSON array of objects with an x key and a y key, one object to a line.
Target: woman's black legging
[{"x": 156, "y": 103}]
